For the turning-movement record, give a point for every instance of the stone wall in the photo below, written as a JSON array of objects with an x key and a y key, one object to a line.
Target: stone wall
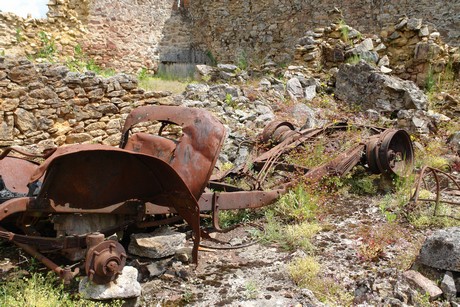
[
  {"x": 48, "y": 105},
  {"x": 132, "y": 34},
  {"x": 64, "y": 27},
  {"x": 272, "y": 27},
  {"x": 139, "y": 34}
]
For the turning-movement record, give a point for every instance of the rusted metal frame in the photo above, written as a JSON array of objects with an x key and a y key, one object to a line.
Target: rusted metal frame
[
  {"x": 290, "y": 143},
  {"x": 266, "y": 169},
  {"x": 202, "y": 134},
  {"x": 161, "y": 222},
  {"x": 340, "y": 165},
  {"x": 436, "y": 179},
  {"x": 421, "y": 178},
  {"x": 65, "y": 274},
  {"x": 217, "y": 201},
  {"x": 14, "y": 205},
  {"x": 131, "y": 207},
  {"x": 76, "y": 241},
  {"x": 423, "y": 173}
]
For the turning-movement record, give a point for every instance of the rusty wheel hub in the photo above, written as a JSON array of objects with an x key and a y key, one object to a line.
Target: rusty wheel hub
[{"x": 105, "y": 261}]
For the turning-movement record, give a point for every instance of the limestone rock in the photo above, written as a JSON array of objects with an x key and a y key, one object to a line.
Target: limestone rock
[
  {"x": 25, "y": 120},
  {"x": 230, "y": 68},
  {"x": 161, "y": 243},
  {"x": 448, "y": 286},
  {"x": 294, "y": 88},
  {"x": 125, "y": 286},
  {"x": 205, "y": 72},
  {"x": 303, "y": 114},
  {"x": 441, "y": 250},
  {"x": 6, "y": 129},
  {"x": 78, "y": 138},
  {"x": 454, "y": 141},
  {"x": 424, "y": 284},
  {"x": 365, "y": 85},
  {"x": 419, "y": 121}
]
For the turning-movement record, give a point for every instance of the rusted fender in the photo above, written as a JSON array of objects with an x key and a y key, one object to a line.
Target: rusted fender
[
  {"x": 96, "y": 176},
  {"x": 195, "y": 153},
  {"x": 16, "y": 172}
]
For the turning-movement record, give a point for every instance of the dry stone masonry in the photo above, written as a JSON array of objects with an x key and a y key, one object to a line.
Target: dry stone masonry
[
  {"x": 49, "y": 105},
  {"x": 130, "y": 34}
]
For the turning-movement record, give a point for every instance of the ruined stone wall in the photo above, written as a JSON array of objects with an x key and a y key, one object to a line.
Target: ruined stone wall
[
  {"x": 64, "y": 28},
  {"x": 272, "y": 27},
  {"x": 132, "y": 34},
  {"x": 137, "y": 34},
  {"x": 48, "y": 105}
]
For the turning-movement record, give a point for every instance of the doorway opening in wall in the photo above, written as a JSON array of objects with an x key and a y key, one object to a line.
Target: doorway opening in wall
[
  {"x": 182, "y": 3},
  {"x": 25, "y": 8}
]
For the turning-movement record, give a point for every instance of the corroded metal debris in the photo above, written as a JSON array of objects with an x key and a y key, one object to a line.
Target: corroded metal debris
[
  {"x": 437, "y": 188},
  {"x": 81, "y": 194}
]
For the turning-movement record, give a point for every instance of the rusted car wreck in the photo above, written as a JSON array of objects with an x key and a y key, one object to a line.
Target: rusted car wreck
[{"x": 81, "y": 194}]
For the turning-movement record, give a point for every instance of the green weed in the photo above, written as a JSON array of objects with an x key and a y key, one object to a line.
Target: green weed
[
  {"x": 39, "y": 290},
  {"x": 430, "y": 81},
  {"x": 211, "y": 57},
  {"x": 290, "y": 221},
  {"x": 143, "y": 74},
  {"x": 228, "y": 218},
  {"x": 48, "y": 46},
  {"x": 354, "y": 59},
  {"x": 362, "y": 184},
  {"x": 297, "y": 205},
  {"x": 305, "y": 272},
  {"x": 242, "y": 60},
  {"x": 344, "y": 31},
  {"x": 251, "y": 290},
  {"x": 229, "y": 100},
  {"x": 81, "y": 62},
  {"x": 19, "y": 36}
]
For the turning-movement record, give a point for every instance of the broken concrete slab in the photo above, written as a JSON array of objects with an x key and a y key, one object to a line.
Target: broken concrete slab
[
  {"x": 441, "y": 250},
  {"x": 161, "y": 243},
  {"x": 125, "y": 286},
  {"x": 424, "y": 284}
]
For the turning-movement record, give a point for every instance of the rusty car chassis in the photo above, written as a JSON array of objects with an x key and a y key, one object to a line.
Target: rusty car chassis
[{"x": 89, "y": 192}]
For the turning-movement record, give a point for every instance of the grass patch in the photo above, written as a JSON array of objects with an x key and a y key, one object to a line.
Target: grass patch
[
  {"x": 228, "y": 218},
  {"x": 431, "y": 155},
  {"x": 289, "y": 237},
  {"x": 159, "y": 84},
  {"x": 297, "y": 205},
  {"x": 42, "y": 291},
  {"x": 291, "y": 221},
  {"x": 423, "y": 216},
  {"x": 305, "y": 272},
  {"x": 402, "y": 192},
  {"x": 376, "y": 239}
]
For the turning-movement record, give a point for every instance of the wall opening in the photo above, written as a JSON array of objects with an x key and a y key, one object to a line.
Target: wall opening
[{"x": 180, "y": 63}]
